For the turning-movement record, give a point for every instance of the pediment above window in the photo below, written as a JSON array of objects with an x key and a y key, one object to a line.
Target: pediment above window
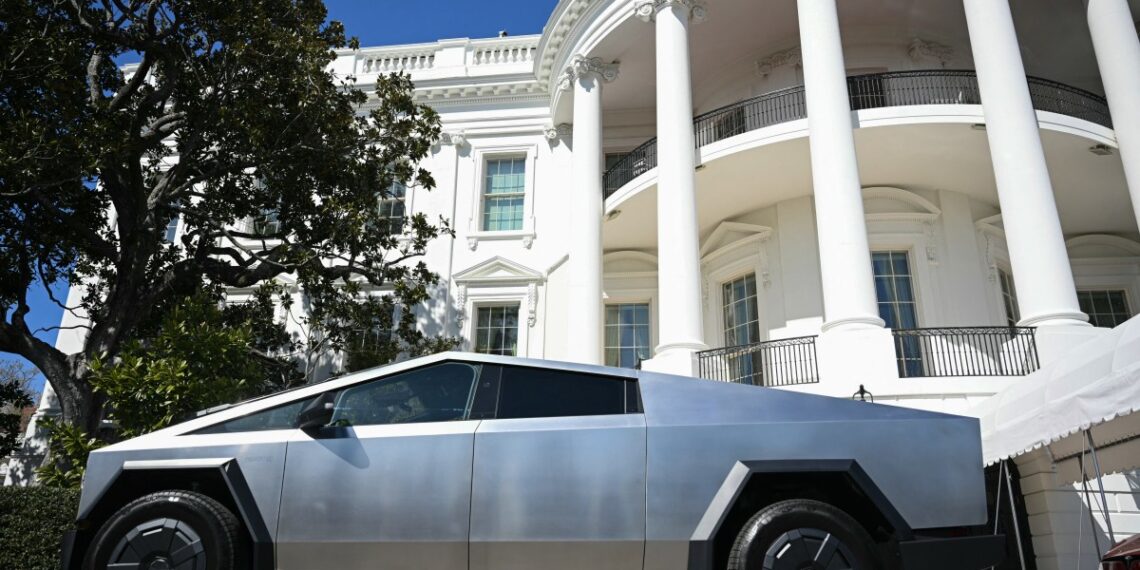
[
  {"x": 497, "y": 270},
  {"x": 1102, "y": 245},
  {"x": 731, "y": 235},
  {"x": 886, "y": 203}
]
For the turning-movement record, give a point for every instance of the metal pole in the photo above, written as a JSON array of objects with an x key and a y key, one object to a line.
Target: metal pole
[
  {"x": 1100, "y": 484},
  {"x": 1088, "y": 500},
  {"x": 997, "y": 496},
  {"x": 1013, "y": 516}
]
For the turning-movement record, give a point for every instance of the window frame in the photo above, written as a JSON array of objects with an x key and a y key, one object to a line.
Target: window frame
[
  {"x": 488, "y": 394},
  {"x": 649, "y": 308},
  {"x": 481, "y": 157},
  {"x": 495, "y": 305},
  {"x": 336, "y": 393},
  {"x": 1128, "y": 304},
  {"x": 912, "y": 275}
]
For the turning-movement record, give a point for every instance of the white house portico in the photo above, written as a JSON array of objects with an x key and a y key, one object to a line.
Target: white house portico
[{"x": 930, "y": 199}]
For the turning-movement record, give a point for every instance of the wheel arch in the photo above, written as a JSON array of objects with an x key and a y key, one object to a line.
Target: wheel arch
[
  {"x": 752, "y": 485},
  {"x": 219, "y": 479}
]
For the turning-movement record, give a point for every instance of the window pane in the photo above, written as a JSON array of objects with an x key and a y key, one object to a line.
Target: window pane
[
  {"x": 627, "y": 334},
  {"x": 1106, "y": 308},
  {"x": 281, "y": 417},
  {"x": 538, "y": 393},
  {"x": 741, "y": 316},
  {"x": 895, "y": 289},
  {"x": 504, "y": 189},
  {"x": 434, "y": 394},
  {"x": 497, "y": 330}
]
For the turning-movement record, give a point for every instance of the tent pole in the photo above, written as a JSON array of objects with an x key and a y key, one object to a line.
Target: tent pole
[
  {"x": 1100, "y": 484},
  {"x": 997, "y": 496},
  {"x": 1088, "y": 500},
  {"x": 1013, "y": 514}
]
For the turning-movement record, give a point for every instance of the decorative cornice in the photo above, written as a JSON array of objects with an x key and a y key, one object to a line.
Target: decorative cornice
[
  {"x": 647, "y": 9},
  {"x": 920, "y": 48},
  {"x": 790, "y": 56},
  {"x": 582, "y": 66}
]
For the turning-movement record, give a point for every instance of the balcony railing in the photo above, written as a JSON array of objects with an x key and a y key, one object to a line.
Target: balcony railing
[
  {"x": 974, "y": 351},
  {"x": 902, "y": 88},
  {"x": 784, "y": 362}
]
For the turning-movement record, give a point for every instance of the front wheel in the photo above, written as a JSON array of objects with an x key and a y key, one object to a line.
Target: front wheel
[
  {"x": 169, "y": 530},
  {"x": 800, "y": 534}
]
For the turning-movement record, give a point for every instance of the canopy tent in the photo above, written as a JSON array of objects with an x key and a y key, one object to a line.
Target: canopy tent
[
  {"x": 1094, "y": 388},
  {"x": 1083, "y": 409}
]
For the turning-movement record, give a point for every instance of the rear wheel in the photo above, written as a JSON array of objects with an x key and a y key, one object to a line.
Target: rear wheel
[
  {"x": 801, "y": 534},
  {"x": 169, "y": 530}
]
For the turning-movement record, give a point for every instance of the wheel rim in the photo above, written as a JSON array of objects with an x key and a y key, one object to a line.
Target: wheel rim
[
  {"x": 159, "y": 544},
  {"x": 808, "y": 549}
]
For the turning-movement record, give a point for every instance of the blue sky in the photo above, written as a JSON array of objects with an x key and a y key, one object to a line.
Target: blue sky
[{"x": 375, "y": 22}]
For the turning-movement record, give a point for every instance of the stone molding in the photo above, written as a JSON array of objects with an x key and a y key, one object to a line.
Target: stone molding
[{"x": 647, "y": 9}]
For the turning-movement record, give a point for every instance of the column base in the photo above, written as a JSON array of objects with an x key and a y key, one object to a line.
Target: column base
[
  {"x": 675, "y": 359},
  {"x": 868, "y": 322},
  {"x": 849, "y": 358},
  {"x": 1055, "y": 341},
  {"x": 1058, "y": 319}
]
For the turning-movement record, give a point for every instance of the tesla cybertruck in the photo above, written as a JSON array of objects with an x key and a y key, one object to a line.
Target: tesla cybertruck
[{"x": 460, "y": 461}]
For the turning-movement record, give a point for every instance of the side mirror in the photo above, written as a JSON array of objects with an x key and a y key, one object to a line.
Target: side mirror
[{"x": 316, "y": 414}]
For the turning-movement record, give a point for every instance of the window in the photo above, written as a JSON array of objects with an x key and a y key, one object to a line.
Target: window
[
  {"x": 541, "y": 393},
  {"x": 1009, "y": 298},
  {"x": 504, "y": 191},
  {"x": 741, "y": 315},
  {"x": 281, "y": 417},
  {"x": 439, "y": 393},
  {"x": 627, "y": 334},
  {"x": 894, "y": 289},
  {"x": 171, "y": 230},
  {"x": 497, "y": 330},
  {"x": 373, "y": 346},
  {"x": 266, "y": 224},
  {"x": 391, "y": 209},
  {"x": 897, "y": 307},
  {"x": 1105, "y": 308}
]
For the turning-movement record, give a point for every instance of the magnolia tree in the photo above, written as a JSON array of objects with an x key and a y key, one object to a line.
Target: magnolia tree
[{"x": 230, "y": 115}]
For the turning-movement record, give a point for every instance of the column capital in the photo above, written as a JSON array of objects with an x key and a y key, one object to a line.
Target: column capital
[
  {"x": 581, "y": 66},
  {"x": 647, "y": 9}
]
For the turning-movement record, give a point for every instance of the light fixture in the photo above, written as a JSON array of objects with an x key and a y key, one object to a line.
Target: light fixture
[
  {"x": 1100, "y": 149},
  {"x": 613, "y": 215},
  {"x": 863, "y": 395},
  {"x": 978, "y": 126}
]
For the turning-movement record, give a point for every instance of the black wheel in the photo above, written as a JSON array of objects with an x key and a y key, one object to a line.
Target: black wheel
[
  {"x": 800, "y": 534},
  {"x": 169, "y": 530}
]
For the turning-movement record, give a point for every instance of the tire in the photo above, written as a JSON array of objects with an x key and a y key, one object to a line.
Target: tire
[
  {"x": 170, "y": 530},
  {"x": 802, "y": 534}
]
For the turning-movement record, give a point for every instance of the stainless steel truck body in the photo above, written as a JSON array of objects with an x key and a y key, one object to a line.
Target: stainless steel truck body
[{"x": 462, "y": 461}]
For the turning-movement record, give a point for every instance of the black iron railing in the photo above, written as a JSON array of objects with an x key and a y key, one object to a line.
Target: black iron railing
[
  {"x": 900, "y": 88},
  {"x": 968, "y": 351},
  {"x": 784, "y": 362}
]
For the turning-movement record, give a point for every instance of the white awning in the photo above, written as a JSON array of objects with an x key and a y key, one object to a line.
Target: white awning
[{"x": 1096, "y": 385}]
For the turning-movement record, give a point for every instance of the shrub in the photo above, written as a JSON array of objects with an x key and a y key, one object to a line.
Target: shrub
[{"x": 32, "y": 523}]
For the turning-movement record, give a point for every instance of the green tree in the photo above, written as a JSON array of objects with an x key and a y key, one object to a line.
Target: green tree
[
  {"x": 14, "y": 397},
  {"x": 231, "y": 115}
]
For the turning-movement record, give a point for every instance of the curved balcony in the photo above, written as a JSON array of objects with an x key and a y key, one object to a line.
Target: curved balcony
[{"x": 895, "y": 89}]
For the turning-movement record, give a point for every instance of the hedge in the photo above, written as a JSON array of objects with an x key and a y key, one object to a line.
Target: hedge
[{"x": 32, "y": 523}]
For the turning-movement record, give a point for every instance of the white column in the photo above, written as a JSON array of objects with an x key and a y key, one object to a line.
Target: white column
[
  {"x": 586, "y": 76},
  {"x": 1045, "y": 289},
  {"x": 844, "y": 255},
  {"x": 681, "y": 330},
  {"x": 1117, "y": 49}
]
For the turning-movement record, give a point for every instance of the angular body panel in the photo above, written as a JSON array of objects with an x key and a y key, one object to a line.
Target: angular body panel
[{"x": 615, "y": 491}]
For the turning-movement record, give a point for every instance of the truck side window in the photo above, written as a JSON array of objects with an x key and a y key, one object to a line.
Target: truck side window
[{"x": 541, "y": 393}]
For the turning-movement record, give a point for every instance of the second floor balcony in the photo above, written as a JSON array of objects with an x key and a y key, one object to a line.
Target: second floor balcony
[{"x": 872, "y": 91}]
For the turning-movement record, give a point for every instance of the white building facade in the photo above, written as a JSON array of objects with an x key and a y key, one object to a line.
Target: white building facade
[{"x": 924, "y": 199}]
